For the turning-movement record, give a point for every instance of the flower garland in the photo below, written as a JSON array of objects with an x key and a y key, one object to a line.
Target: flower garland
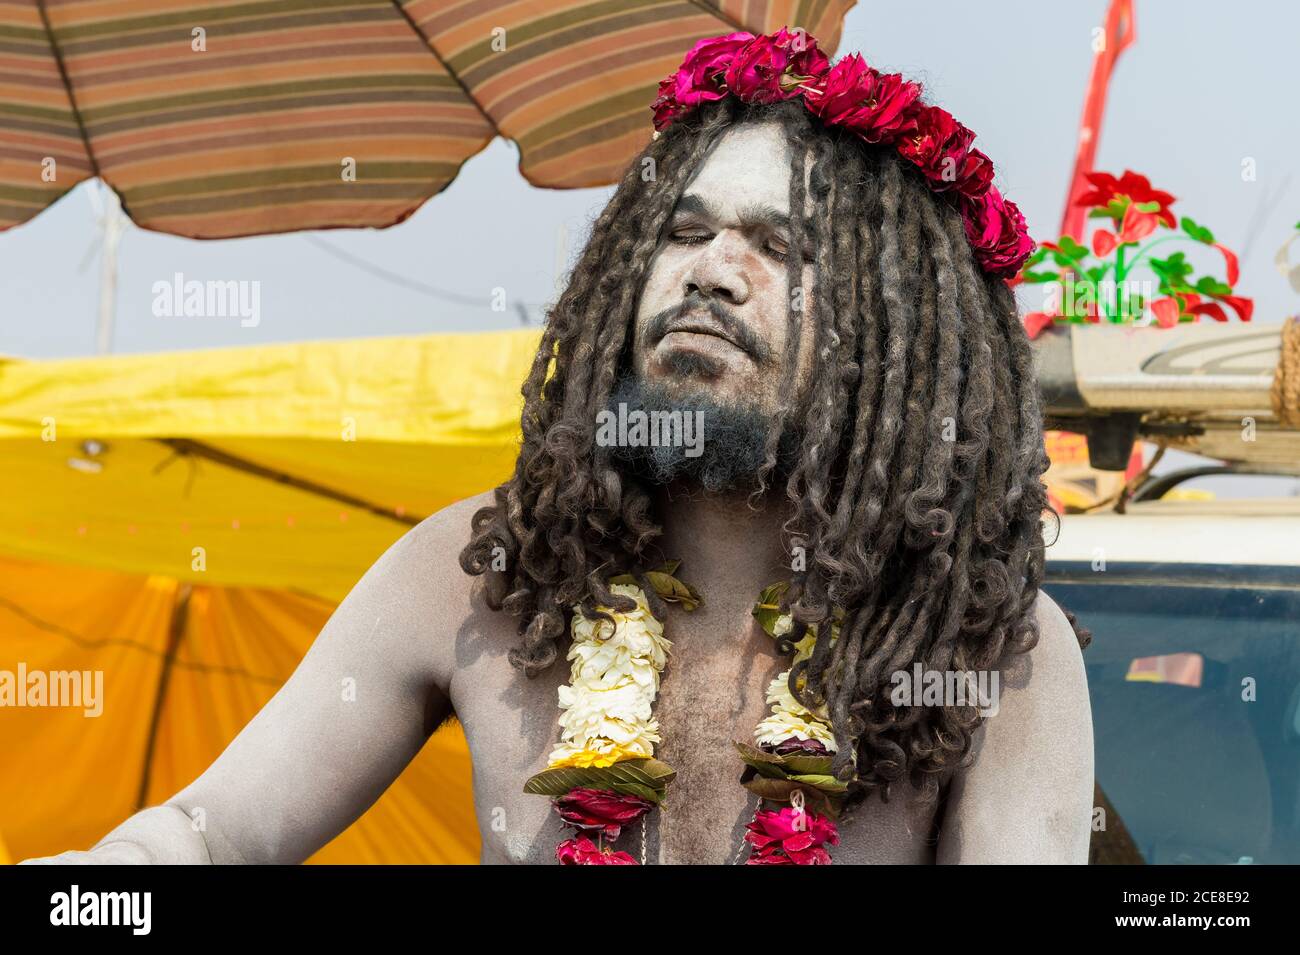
[
  {"x": 603, "y": 777},
  {"x": 882, "y": 108}
]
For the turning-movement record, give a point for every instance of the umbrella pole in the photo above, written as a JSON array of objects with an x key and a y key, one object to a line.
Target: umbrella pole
[{"x": 175, "y": 633}]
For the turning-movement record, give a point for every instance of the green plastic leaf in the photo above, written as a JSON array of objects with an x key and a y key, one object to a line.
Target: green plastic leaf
[
  {"x": 1208, "y": 285},
  {"x": 1036, "y": 278},
  {"x": 1198, "y": 232},
  {"x": 1072, "y": 248}
]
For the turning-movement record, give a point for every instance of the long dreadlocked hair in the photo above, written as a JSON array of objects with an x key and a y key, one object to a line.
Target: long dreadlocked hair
[{"x": 916, "y": 491}]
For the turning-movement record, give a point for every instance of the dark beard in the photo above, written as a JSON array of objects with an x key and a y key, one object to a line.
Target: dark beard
[{"x": 731, "y": 450}]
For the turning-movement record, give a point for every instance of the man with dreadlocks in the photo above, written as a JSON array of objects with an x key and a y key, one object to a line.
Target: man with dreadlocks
[{"x": 793, "y": 259}]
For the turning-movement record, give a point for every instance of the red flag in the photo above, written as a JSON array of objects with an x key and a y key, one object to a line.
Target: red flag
[{"x": 1120, "y": 32}]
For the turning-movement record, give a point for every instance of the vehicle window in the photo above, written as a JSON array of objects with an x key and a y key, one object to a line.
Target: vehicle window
[{"x": 1194, "y": 675}]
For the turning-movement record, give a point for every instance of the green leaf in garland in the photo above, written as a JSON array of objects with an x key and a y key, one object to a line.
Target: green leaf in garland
[
  {"x": 752, "y": 754},
  {"x": 774, "y": 766},
  {"x": 666, "y": 585},
  {"x": 826, "y": 783},
  {"x": 648, "y": 778},
  {"x": 781, "y": 790},
  {"x": 804, "y": 763},
  {"x": 674, "y": 590},
  {"x": 768, "y": 609}
]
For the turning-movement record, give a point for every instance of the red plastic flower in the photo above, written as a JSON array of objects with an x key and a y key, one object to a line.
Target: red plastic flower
[
  {"x": 1132, "y": 186},
  {"x": 876, "y": 106},
  {"x": 997, "y": 232},
  {"x": 601, "y": 810},
  {"x": 771, "y": 68},
  {"x": 799, "y": 837},
  {"x": 1138, "y": 225},
  {"x": 582, "y": 851}
]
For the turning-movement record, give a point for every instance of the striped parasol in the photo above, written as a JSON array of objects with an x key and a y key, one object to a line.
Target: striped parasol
[{"x": 247, "y": 117}]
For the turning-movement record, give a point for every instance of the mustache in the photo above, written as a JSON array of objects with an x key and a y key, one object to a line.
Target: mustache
[{"x": 738, "y": 331}]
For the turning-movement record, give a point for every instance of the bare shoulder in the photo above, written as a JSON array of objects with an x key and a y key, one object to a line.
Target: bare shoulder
[
  {"x": 434, "y": 545},
  {"x": 1026, "y": 795},
  {"x": 415, "y": 597},
  {"x": 1056, "y": 661}
]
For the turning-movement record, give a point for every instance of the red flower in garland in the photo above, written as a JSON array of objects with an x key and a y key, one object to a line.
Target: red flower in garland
[
  {"x": 601, "y": 810},
  {"x": 771, "y": 68},
  {"x": 880, "y": 108},
  {"x": 997, "y": 232},
  {"x": 582, "y": 851},
  {"x": 788, "y": 837},
  {"x": 700, "y": 77},
  {"x": 807, "y": 747},
  {"x": 941, "y": 148},
  {"x": 1131, "y": 185},
  {"x": 876, "y": 106}
]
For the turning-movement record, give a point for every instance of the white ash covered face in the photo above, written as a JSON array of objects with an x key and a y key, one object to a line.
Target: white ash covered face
[{"x": 713, "y": 314}]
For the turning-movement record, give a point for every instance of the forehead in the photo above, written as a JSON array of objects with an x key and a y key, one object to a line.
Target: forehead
[{"x": 749, "y": 167}]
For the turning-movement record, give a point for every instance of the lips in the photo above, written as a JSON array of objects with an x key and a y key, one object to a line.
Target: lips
[{"x": 701, "y": 326}]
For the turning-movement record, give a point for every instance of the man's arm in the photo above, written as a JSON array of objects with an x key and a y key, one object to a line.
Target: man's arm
[
  {"x": 369, "y": 692},
  {"x": 1028, "y": 796}
]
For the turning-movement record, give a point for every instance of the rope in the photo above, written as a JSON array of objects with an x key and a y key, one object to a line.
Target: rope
[{"x": 1285, "y": 393}]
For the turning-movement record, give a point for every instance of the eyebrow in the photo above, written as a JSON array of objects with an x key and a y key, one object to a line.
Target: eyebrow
[{"x": 755, "y": 214}]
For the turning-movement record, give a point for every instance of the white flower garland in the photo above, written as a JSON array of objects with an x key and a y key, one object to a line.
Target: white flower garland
[{"x": 614, "y": 679}]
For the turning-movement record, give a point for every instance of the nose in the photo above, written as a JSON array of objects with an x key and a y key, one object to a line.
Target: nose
[{"x": 718, "y": 270}]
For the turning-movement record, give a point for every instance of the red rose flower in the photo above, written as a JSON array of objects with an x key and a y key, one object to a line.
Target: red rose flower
[
  {"x": 997, "y": 232},
  {"x": 582, "y": 851},
  {"x": 876, "y": 106},
  {"x": 798, "y": 836},
  {"x": 975, "y": 174},
  {"x": 698, "y": 79},
  {"x": 771, "y": 68},
  {"x": 1135, "y": 187},
  {"x": 808, "y": 747},
  {"x": 941, "y": 148},
  {"x": 600, "y": 809}
]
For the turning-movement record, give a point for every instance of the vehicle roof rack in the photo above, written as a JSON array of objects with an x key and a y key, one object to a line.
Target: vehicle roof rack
[{"x": 1205, "y": 388}]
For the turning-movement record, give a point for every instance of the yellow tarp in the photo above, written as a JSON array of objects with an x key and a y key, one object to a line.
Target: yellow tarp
[{"x": 304, "y": 463}]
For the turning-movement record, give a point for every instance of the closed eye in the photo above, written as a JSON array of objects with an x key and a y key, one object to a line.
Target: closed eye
[{"x": 690, "y": 238}]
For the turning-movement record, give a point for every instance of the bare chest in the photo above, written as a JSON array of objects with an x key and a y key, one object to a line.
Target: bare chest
[{"x": 713, "y": 692}]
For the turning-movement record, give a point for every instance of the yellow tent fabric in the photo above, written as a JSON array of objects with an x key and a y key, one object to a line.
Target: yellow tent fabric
[{"x": 215, "y": 506}]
